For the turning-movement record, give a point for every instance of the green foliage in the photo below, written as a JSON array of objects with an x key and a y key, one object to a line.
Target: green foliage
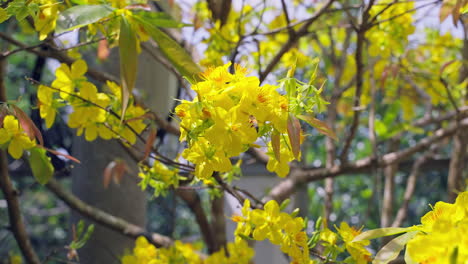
[
  {"x": 40, "y": 165},
  {"x": 80, "y": 16},
  {"x": 82, "y": 235},
  {"x": 178, "y": 56},
  {"x": 128, "y": 44}
]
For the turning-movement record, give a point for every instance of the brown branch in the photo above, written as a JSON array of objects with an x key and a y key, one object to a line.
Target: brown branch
[
  {"x": 460, "y": 141},
  {"x": 291, "y": 31},
  {"x": 54, "y": 53},
  {"x": 303, "y": 30},
  {"x": 389, "y": 187},
  {"x": 192, "y": 199},
  {"x": 103, "y": 218},
  {"x": 300, "y": 176},
  {"x": 228, "y": 188},
  {"x": 11, "y": 195},
  {"x": 218, "y": 222},
  {"x": 14, "y": 214},
  {"x": 358, "y": 57},
  {"x": 411, "y": 186},
  {"x": 330, "y": 145}
]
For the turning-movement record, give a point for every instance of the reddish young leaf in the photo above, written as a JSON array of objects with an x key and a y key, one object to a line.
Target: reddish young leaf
[
  {"x": 149, "y": 142},
  {"x": 294, "y": 133},
  {"x": 119, "y": 171},
  {"x": 107, "y": 175},
  {"x": 275, "y": 143},
  {"x": 114, "y": 171},
  {"x": 103, "y": 50},
  {"x": 61, "y": 154},
  {"x": 27, "y": 124},
  {"x": 319, "y": 125}
]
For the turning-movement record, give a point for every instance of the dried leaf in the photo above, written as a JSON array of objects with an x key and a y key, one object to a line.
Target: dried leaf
[
  {"x": 393, "y": 248},
  {"x": 103, "y": 51},
  {"x": 294, "y": 133},
  {"x": 28, "y": 125},
  {"x": 446, "y": 9},
  {"x": 321, "y": 126},
  {"x": 275, "y": 143},
  {"x": 150, "y": 142}
]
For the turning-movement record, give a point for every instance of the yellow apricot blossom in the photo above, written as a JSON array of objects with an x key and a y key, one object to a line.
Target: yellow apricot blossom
[
  {"x": 47, "y": 104},
  {"x": 12, "y": 133},
  {"x": 89, "y": 113},
  {"x": 46, "y": 18},
  {"x": 183, "y": 253},
  {"x": 67, "y": 78},
  {"x": 441, "y": 240},
  {"x": 236, "y": 106},
  {"x": 356, "y": 249},
  {"x": 279, "y": 227}
]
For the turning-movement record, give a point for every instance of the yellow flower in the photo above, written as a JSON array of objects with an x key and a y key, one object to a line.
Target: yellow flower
[
  {"x": 13, "y": 133},
  {"x": 208, "y": 157},
  {"x": 441, "y": 234},
  {"x": 328, "y": 236},
  {"x": 281, "y": 166},
  {"x": 47, "y": 104},
  {"x": 67, "y": 78},
  {"x": 357, "y": 249},
  {"x": 46, "y": 19},
  {"x": 236, "y": 129},
  {"x": 89, "y": 114}
]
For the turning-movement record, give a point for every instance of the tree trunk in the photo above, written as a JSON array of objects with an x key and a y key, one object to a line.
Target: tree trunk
[{"x": 157, "y": 87}]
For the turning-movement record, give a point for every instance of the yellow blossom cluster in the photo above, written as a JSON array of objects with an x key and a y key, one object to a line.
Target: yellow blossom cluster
[
  {"x": 92, "y": 110},
  {"x": 356, "y": 249},
  {"x": 13, "y": 134},
  {"x": 238, "y": 108},
  {"x": 442, "y": 238},
  {"x": 181, "y": 253},
  {"x": 280, "y": 228},
  {"x": 393, "y": 26}
]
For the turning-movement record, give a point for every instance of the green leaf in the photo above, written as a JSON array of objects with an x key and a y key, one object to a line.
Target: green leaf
[
  {"x": 285, "y": 204},
  {"x": 128, "y": 60},
  {"x": 3, "y": 15},
  {"x": 80, "y": 228},
  {"x": 40, "y": 165},
  {"x": 177, "y": 55},
  {"x": 392, "y": 249},
  {"x": 454, "y": 256},
  {"x": 80, "y": 16},
  {"x": 159, "y": 19},
  {"x": 321, "y": 126},
  {"x": 381, "y": 232}
]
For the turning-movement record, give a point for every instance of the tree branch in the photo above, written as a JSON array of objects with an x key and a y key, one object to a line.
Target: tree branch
[
  {"x": 11, "y": 195},
  {"x": 299, "y": 176},
  {"x": 192, "y": 199},
  {"x": 293, "y": 39},
  {"x": 103, "y": 218},
  {"x": 411, "y": 186}
]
